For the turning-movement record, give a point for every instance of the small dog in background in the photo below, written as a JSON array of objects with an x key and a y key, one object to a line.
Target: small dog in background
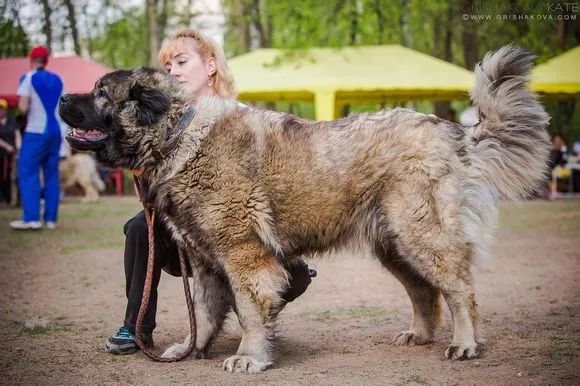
[{"x": 81, "y": 169}]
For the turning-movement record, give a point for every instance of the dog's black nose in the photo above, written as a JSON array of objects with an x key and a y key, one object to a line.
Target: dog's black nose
[{"x": 65, "y": 99}]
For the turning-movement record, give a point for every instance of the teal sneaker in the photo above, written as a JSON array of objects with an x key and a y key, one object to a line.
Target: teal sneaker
[{"x": 124, "y": 342}]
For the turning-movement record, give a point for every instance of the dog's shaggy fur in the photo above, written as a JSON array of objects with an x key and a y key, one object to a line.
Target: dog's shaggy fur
[{"x": 247, "y": 191}]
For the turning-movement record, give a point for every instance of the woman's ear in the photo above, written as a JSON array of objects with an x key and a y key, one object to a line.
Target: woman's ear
[{"x": 211, "y": 66}]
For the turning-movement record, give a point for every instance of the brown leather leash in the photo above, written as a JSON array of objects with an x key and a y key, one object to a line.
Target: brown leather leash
[{"x": 150, "y": 217}]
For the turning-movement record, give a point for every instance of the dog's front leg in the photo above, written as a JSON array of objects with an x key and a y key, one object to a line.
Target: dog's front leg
[
  {"x": 257, "y": 281},
  {"x": 212, "y": 299}
]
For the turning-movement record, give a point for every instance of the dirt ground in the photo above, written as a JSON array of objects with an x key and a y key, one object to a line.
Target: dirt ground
[{"x": 63, "y": 295}]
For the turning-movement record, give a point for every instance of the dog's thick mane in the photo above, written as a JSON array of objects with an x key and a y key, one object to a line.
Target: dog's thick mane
[{"x": 209, "y": 110}]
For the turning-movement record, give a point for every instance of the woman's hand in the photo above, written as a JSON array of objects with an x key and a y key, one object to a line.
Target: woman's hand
[{"x": 7, "y": 147}]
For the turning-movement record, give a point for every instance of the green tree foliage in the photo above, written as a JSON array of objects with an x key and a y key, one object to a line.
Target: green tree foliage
[
  {"x": 412, "y": 23},
  {"x": 13, "y": 40},
  {"x": 448, "y": 29},
  {"x": 124, "y": 43}
]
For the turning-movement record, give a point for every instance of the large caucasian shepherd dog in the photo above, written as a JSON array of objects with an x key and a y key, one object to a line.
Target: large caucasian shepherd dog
[{"x": 246, "y": 191}]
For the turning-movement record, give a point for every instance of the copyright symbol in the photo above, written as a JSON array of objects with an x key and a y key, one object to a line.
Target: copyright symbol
[{"x": 465, "y": 16}]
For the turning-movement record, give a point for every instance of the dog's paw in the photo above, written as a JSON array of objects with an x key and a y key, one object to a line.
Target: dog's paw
[
  {"x": 461, "y": 351},
  {"x": 177, "y": 349},
  {"x": 243, "y": 364},
  {"x": 172, "y": 351},
  {"x": 411, "y": 338}
]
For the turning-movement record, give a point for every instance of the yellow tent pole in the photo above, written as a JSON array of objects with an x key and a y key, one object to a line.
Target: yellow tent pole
[{"x": 325, "y": 105}]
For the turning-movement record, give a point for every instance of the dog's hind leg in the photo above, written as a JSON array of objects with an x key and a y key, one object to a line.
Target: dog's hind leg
[
  {"x": 447, "y": 271},
  {"x": 212, "y": 299},
  {"x": 431, "y": 240},
  {"x": 460, "y": 298},
  {"x": 257, "y": 281},
  {"x": 426, "y": 300}
]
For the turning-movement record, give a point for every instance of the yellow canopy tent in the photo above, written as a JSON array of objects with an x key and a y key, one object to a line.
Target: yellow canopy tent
[
  {"x": 559, "y": 77},
  {"x": 332, "y": 77}
]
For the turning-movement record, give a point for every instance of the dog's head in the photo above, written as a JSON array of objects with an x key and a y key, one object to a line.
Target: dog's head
[{"x": 125, "y": 118}]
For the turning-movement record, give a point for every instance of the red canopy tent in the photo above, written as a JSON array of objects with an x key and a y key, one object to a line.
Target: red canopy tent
[{"x": 79, "y": 74}]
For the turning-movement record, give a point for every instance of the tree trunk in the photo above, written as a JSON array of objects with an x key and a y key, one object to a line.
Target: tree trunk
[
  {"x": 241, "y": 27},
  {"x": 89, "y": 40},
  {"x": 407, "y": 34},
  {"x": 469, "y": 38},
  {"x": 47, "y": 27},
  {"x": 153, "y": 32},
  {"x": 16, "y": 15},
  {"x": 162, "y": 21},
  {"x": 443, "y": 109},
  {"x": 72, "y": 19},
  {"x": 354, "y": 22},
  {"x": 567, "y": 28},
  {"x": 437, "y": 35},
  {"x": 447, "y": 48},
  {"x": 257, "y": 12},
  {"x": 380, "y": 21}
]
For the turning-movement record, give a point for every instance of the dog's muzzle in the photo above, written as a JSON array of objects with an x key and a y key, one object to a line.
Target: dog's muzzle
[{"x": 79, "y": 137}]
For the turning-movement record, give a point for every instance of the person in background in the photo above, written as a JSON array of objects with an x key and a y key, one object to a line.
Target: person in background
[
  {"x": 39, "y": 93},
  {"x": 575, "y": 160},
  {"x": 8, "y": 128},
  {"x": 556, "y": 162},
  {"x": 558, "y": 152}
]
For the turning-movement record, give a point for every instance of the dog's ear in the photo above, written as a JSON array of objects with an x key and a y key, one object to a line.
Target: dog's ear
[{"x": 152, "y": 104}]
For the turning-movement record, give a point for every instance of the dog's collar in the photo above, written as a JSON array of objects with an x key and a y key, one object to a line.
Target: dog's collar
[{"x": 174, "y": 135}]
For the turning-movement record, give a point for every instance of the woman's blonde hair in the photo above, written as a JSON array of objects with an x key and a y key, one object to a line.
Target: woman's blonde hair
[{"x": 221, "y": 80}]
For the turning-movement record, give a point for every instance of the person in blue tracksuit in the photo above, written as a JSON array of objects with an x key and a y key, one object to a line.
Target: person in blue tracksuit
[{"x": 39, "y": 94}]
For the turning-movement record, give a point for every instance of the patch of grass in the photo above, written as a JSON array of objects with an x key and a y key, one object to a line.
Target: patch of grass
[
  {"x": 524, "y": 334},
  {"x": 81, "y": 227},
  {"x": 43, "y": 330},
  {"x": 413, "y": 379},
  {"x": 359, "y": 313},
  {"x": 96, "y": 244},
  {"x": 560, "y": 347},
  {"x": 119, "y": 358},
  {"x": 548, "y": 216}
]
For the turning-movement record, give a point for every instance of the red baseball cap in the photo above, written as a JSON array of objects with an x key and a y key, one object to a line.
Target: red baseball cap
[{"x": 39, "y": 52}]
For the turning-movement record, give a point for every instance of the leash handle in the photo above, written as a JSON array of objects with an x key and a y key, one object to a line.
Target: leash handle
[{"x": 150, "y": 217}]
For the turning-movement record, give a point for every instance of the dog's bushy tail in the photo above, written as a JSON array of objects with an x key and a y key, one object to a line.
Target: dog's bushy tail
[{"x": 511, "y": 144}]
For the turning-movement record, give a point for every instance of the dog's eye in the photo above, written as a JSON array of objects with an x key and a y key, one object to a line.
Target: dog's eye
[{"x": 100, "y": 93}]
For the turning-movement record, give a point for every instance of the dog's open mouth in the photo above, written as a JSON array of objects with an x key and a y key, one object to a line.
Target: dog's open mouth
[{"x": 89, "y": 135}]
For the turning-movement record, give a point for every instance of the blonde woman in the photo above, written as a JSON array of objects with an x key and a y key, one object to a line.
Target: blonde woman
[{"x": 200, "y": 65}]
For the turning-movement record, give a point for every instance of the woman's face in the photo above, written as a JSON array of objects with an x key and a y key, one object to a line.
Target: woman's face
[{"x": 188, "y": 67}]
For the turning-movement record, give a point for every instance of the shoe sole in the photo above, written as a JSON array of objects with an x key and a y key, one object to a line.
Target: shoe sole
[
  {"x": 26, "y": 229},
  {"x": 120, "y": 350}
]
